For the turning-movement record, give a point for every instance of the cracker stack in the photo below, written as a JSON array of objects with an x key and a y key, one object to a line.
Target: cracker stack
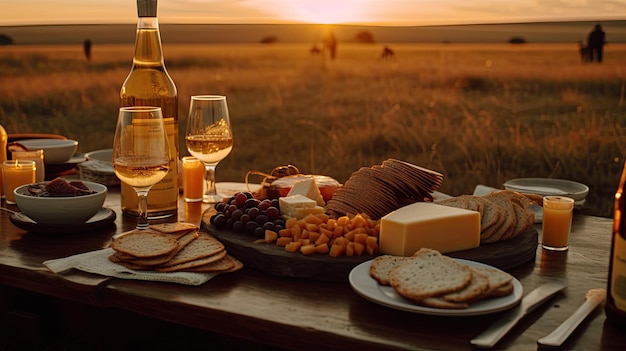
[
  {"x": 504, "y": 214},
  {"x": 172, "y": 247},
  {"x": 434, "y": 280},
  {"x": 381, "y": 189}
]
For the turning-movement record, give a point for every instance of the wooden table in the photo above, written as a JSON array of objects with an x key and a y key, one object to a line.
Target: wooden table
[{"x": 308, "y": 315}]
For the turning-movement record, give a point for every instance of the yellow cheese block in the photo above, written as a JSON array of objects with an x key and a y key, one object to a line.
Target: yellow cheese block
[
  {"x": 428, "y": 225},
  {"x": 295, "y": 205},
  {"x": 308, "y": 188}
]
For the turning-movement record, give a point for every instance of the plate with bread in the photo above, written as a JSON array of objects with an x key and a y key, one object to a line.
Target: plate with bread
[{"x": 432, "y": 283}]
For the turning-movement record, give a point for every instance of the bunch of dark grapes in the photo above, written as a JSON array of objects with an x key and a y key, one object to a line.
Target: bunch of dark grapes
[{"x": 242, "y": 213}]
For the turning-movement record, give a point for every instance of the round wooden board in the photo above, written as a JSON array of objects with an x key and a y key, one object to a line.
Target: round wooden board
[{"x": 272, "y": 259}]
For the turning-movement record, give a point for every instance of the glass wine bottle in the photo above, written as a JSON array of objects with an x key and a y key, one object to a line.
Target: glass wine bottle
[
  {"x": 149, "y": 84},
  {"x": 4, "y": 137},
  {"x": 615, "y": 306}
]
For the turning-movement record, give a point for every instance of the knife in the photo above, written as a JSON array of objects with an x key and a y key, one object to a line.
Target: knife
[
  {"x": 593, "y": 298},
  {"x": 495, "y": 332}
]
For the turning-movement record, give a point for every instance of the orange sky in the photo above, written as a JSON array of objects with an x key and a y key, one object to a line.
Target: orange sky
[{"x": 382, "y": 12}]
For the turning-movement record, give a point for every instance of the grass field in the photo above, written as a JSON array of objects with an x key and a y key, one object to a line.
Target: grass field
[{"x": 479, "y": 113}]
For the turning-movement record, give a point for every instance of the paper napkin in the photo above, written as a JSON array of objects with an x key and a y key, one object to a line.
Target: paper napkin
[{"x": 98, "y": 262}]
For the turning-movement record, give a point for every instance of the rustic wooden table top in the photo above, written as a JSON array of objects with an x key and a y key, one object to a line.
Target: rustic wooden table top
[{"x": 304, "y": 314}]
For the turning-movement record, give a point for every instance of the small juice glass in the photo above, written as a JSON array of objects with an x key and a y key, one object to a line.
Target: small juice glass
[{"x": 557, "y": 222}]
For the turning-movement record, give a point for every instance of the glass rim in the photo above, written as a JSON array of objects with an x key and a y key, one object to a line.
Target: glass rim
[
  {"x": 18, "y": 162},
  {"x": 140, "y": 108},
  {"x": 559, "y": 198},
  {"x": 208, "y": 97}
]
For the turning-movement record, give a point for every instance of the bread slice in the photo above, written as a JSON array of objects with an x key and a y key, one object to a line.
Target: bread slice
[
  {"x": 226, "y": 264},
  {"x": 438, "y": 302},
  {"x": 496, "y": 278},
  {"x": 185, "y": 266},
  {"x": 383, "y": 265},
  {"x": 477, "y": 287},
  {"x": 183, "y": 241},
  {"x": 145, "y": 243},
  {"x": 203, "y": 246},
  {"x": 179, "y": 228},
  {"x": 428, "y": 274}
]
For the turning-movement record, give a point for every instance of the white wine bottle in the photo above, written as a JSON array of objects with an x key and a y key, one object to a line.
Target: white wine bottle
[
  {"x": 615, "y": 306},
  {"x": 149, "y": 84}
]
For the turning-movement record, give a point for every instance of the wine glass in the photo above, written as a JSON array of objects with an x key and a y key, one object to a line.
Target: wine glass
[
  {"x": 209, "y": 137},
  {"x": 141, "y": 153}
]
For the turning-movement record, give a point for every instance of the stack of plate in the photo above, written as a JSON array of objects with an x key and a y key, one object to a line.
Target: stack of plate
[
  {"x": 99, "y": 168},
  {"x": 547, "y": 186}
]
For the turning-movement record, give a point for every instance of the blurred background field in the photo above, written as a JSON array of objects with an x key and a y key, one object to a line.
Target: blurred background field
[{"x": 478, "y": 113}]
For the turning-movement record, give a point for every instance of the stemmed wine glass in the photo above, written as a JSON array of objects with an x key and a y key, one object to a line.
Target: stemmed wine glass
[
  {"x": 209, "y": 137},
  {"x": 141, "y": 153}
]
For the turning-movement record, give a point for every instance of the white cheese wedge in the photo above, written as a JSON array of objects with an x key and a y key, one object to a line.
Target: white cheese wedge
[
  {"x": 308, "y": 188},
  {"x": 428, "y": 225},
  {"x": 292, "y": 206}
]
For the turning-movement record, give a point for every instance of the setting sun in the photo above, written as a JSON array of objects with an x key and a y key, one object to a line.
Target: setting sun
[{"x": 325, "y": 11}]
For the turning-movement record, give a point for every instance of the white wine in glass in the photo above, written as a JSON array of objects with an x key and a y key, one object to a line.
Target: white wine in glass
[
  {"x": 141, "y": 152},
  {"x": 209, "y": 137}
]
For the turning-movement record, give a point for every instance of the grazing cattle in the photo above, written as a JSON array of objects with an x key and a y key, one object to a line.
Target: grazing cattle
[
  {"x": 387, "y": 54},
  {"x": 315, "y": 50},
  {"x": 584, "y": 52}
]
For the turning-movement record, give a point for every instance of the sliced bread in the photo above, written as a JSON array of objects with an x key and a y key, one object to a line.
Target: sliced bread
[{"x": 426, "y": 275}]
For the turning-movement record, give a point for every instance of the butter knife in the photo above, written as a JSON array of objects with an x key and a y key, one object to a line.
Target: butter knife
[
  {"x": 593, "y": 298},
  {"x": 496, "y": 331}
]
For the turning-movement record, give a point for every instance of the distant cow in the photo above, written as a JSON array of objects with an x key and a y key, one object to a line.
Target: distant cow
[
  {"x": 584, "y": 52},
  {"x": 315, "y": 50},
  {"x": 387, "y": 54}
]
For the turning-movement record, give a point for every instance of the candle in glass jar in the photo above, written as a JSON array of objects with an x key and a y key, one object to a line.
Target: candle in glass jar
[
  {"x": 33, "y": 155},
  {"x": 193, "y": 179},
  {"x": 16, "y": 173},
  {"x": 557, "y": 222}
]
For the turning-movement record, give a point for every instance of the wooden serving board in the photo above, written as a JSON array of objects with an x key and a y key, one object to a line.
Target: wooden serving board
[{"x": 272, "y": 259}]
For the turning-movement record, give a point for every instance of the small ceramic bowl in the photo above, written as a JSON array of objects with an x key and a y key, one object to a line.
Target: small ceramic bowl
[
  {"x": 55, "y": 151},
  {"x": 61, "y": 210}
]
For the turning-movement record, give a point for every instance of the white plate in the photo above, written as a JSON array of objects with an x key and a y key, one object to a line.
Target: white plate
[
  {"x": 231, "y": 188},
  {"x": 548, "y": 186},
  {"x": 364, "y": 285}
]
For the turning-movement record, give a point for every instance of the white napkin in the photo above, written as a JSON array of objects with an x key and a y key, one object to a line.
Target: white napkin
[{"x": 98, "y": 262}]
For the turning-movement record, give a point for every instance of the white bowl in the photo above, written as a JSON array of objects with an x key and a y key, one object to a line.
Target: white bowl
[
  {"x": 548, "y": 186},
  {"x": 55, "y": 151},
  {"x": 104, "y": 155},
  {"x": 61, "y": 210}
]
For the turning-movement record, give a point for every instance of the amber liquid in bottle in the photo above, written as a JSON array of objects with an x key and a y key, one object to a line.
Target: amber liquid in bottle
[
  {"x": 615, "y": 306},
  {"x": 149, "y": 84}
]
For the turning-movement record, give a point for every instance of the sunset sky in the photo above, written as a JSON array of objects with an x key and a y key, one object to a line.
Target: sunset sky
[{"x": 380, "y": 12}]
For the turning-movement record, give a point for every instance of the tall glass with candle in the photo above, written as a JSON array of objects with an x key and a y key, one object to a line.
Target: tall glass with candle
[
  {"x": 16, "y": 173},
  {"x": 557, "y": 222}
]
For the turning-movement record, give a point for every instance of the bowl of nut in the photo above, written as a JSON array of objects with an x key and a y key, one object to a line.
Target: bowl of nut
[{"x": 59, "y": 201}]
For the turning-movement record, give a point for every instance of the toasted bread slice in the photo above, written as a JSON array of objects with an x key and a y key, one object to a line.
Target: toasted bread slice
[{"x": 427, "y": 274}]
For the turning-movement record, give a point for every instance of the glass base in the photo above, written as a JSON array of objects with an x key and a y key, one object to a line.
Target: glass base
[
  {"x": 212, "y": 198},
  {"x": 553, "y": 248}
]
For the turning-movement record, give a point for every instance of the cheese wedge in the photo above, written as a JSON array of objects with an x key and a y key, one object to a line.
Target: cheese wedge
[
  {"x": 297, "y": 206},
  {"x": 426, "y": 225},
  {"x": 308, "y": 188}
]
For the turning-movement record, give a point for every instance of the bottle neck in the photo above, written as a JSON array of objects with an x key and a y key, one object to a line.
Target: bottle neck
[{"x": 148, "y": 49}]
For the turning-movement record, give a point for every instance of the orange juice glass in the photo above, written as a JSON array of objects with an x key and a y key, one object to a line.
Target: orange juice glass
[
  {"x": 557, "y": 222},
  {"x": 193, "y": 179},
  {"x": 16, "y": 173}
]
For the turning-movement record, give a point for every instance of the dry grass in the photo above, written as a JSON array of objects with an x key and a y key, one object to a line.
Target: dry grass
[{"x": 481, "y": 114}]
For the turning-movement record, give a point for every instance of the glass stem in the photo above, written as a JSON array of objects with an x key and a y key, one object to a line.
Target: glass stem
[
  {"x": 142, "y": 204},
  {"x": 210, "y": 193}
]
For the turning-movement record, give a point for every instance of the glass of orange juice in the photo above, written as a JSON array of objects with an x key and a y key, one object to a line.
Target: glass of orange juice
[
  {"x": 193, "y": 179},
  {"x": 557, "y": 222}
]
